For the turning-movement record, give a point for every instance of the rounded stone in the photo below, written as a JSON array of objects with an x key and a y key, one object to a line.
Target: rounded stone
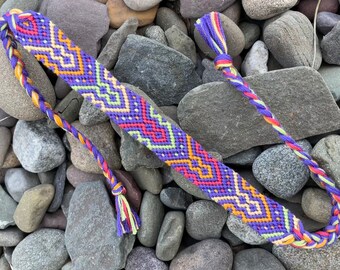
[
  {"x": 5, "y": 142},
  {"x": 256, "y": 59},
  {"x": 11, "y": 237},
  {"x": 141, "y": 5},
  {"x": 251, "y": 33},
  {"x": 307, "y": 7},
  {"x": 76, "y": 176},
  {"x": 176, "y": 198},
  {"x": 56, "y": 220},
  {"x": 325, "y": 21},
  {"x": 197, "y": 8},
  {"x": 6, "y": 120},
  {"x": 167, "y": 18},
  {"x": 148, "y": 179},
  {"x": 142, "y": 258},
  {"x": 329, "y": 45},
  {"x": 316, "y": 204},
  {"x": 7, "y": 209}
]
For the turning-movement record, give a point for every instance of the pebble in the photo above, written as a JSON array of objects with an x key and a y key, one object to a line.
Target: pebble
[
  {"x": 256, "y": 259},
  {"x": 106, "y": 37},
  {"x": 47, "y": 177},
  {"x": 156, "y": 33},
  {"x": 19, "y": 180},
  {"x": 307, "y": 7},
  {"x": 197, "y": 8},
  {"x": 43, "y": 249},
  {"x": 91, "y": 230},
  {"x": 10, "y": 237},
  {"x": 56, "y": 220},
  {"x": 62, "y": 89},
  {"x": 181, "y": 43},
  {"x": 141, "y": 5},
  {"x": 256, "y": 59},
  {"x": 176, "y": 198},
  {"x": 325, "y": 21},
  {"x": 7, "y": 208},
  {"x": 6, "y": 138},
  {"x": 328, "y": 44},
  {"x": 244, "y": 158},
  {"x": 76, "y": 176},
  {"x": 329, "y": 74},
  {"x": 32, "y": 207},
  {"x": 67, "y": 266},
  {"x": 170, "y": 111},
  {"x": 119, "y": 12},
  {"x": 103, "y": 137},
  {"x": 151, "y": 215},
  {"x": 166, "y": 18},
  {"x": 59, "y": 185},
  {"x": 289, "y": 37},
  {"x": 170, "y": 235},
  {"x": 251, "y": 33},
  {"x": 207, "y": 254},
  {"x": 6, "y": 120},
  {"x": 4, "y": 265},
  {"x": 142, "y": 258},
  {"x": 145, "y": 69},
  {"x": 234, "y": 12},
  {"x": 11, "y": 91},
  {"x": 19, "y": 4},
  {"x": 65, "y": 204},
  {"x": 280, "y": 171},
  {"x": 109, "y": 55},
  {"x": 205, "y": 219},
  {"x": 231, "y": 238},
  {"x": 248, "y": 175},
  {"x": 317, "y": 204},
  {"x": 11, "y": 160},
  {"x": 148, "y": 179}
]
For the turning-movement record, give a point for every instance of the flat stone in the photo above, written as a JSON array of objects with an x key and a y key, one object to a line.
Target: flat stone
[
  {"x": 56, "y": 220},
  {"x": 76, "y": 176},
  {"x": 32, "y": 207},
  {"x": 307, "y": 112},
  {"x": 6, "y": 138},
  {"x": 7, "y": 208},
  {"x": 289, "y": 37},
  {"x": 148, "y": 179},
  {"x": 6, "y": 120},
  {"x": 142, "y": 62},
  {"x": 10, "y": 237},
  {"x": 205, "y": 219},
  {"x": 329, "y": 74},
  {"x": 156, "y": 33},
  {"x": 142, "y": 258},
  {"x": 256, "y": 59},
  {"x": 328, "y": 44},
  {"x": 170, "y": 235},
  {"x": 244, "y": 158},
  {"x": 141, "y": 5},
  {"x": 19, "y": 180},
  {"x": 317, "y": 204},
  {"x": 176, "y": 198},
  {"x": 43, "y": 249},
  {"x": 325, "y": 21},
  {"x": 196, "y": 9},
  {"x": 251, "y": 33},
  {"x": 59, "y": 185},
  {"x": 151, "y": 215},
  {"x": 234, "y": 12},
  {"x": 19, "y": 4},
  {"x": 207, "y": 254},
  {"x": 307, "y": 7},
  {"x": 166, "y": 18},
  {"x": 38, "y": 148},
  {"x": 91, "y": 235}
]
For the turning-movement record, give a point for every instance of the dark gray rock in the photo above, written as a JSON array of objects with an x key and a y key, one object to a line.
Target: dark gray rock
[
  {"x": 251, "y": 33},
  {"x": 65, "y": 204},
  {"x": 317, "y": 204},
  {"x": 19, "y": 4},
  {"x": 91, "y": 235},
  {"x": 176, "y": 198},
  {"x": 7, "y": 208},
  {"x": 166, "y": 18},
  {"x": 10, "y": 237},
  {"x": 196, "y": 9},
  {"x": 62, "y": 89},
  {"x": 255, "y": 62},
  {"x": 59, "y": 185},
  {"x": 156, "y": 33},
  {"x": 234, "y": 12},
  {"x": 244, "y": 158},
  {"x": 90, "y": 115},
  {"x": 330, "y": 74},
  {"x": 6, "y": 138},
  {"x": 325, "y": 21},
  {"x": 148, "y": 179},
  {"x": 329, "y": 43},
  {"x": 170, "y": 111},
  {"x": 76, "y": 176},
  {"x": 210, "y": 74},
  {"x": 6, "y": 120},
  {"x": 142, "y": 258},
  {"x": 307, "y": 112},
  {"x": 231, "y": 238},
  {"x": 248, "y": 175},
  {"x": 163, "y": 73}
]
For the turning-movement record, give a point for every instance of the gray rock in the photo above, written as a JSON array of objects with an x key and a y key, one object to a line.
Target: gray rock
[
  {"x": 59, "y": 185},
  {"x": 330, "y": 74},
  {"x": 325, "y": 21},
  {"x": 19, "y": 180},
  {"x": 11, "y": 160},
  {"x": 196, "y": 9},
  {"x": 38, "y": 148},
  {"x": 234, "y": 12},
  {"x": 156, "y": 33},
  {"x": 76, "y": 176},
  {"x": 142, "y": 62},
  {"x": 43, "y": 249},
  {"x": 65, "y": 204},
  {"x": 62, "y": 89},
  {"x": 151, "y": 215},
  {"x": 11, "y": 91},
  {"x": 210, "y": 74},
  {"x": 10, "y": 237},
  {"x": 170, "y": 235},
  {"x": 307, "y": 112},
  {"x": 280, "y": 171},
  {"x": 47, "y": 177},
  {"x": 106, "y": 37},
  {"x": 170, "y": 111},
  {"x": 141, "y": 5},
  {"x": 205, "y": 219},
  {"x": 166, "y": 18},
  {"x": 91, "y": 235},
  {"x": 68, "y": 266},
  {"x": 6, "y": 138},
  {"x": 8, "y": 251},
  {"x": 244, "y": 232},
  {"x": 142, "y": 258},
  {"x": 148, "y": 179},
  {"x": 256, "y": 259},
  {"x": 329, "y": 44},
  {"x": 19, "y": 4},
  {"x": 56, "y": 220},
  {"x": 289, "y": 37},
  {"x": 4, "y": 265},
  {"x": 309, "y": 259},
  {"x": 251, "y": 33},
  {"x": 176, "y": 198},
  {"x": 317, "y": 204},
  {"x": 248, "y": 175},
  {"x": 244, "y": 158},
  {"x": 207, "y": 254},
  {"x": 6, "y": 120},
  {"x": 256, "y": 59},
  {"x": 7, "y": 208},
  {"x": 181, "y": 43},
  {"x": 231, "y": 238},
  {"x": 109, "y": 55}
]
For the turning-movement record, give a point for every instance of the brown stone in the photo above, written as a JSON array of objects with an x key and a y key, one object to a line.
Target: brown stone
[
  {"x": 56, "y": 220},
  {"x": 76, "y": 176}
]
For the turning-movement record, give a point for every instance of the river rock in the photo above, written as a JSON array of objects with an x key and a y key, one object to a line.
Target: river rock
[
  {"x": 6, "y": 138},
  {"x": 166, "y": 18},
  {"x": 11, "y": 237},
  {"x": 330, "y": 74},
  {"x": 19, "y": 4},
  {"x": 90, "y": 115},
  {"x": 234, "y": 12},
  {"x": 251, "y": 33},
  {"x": 317, "y": 204},
  {"x": 329, "y": 44},
  {"x": 325, "y": 21},
  {"x": 244, "y": 158},
  {"x": 59, "y": 185},
  {"x": 7, "y": 208},
  {"x": 176, "y": 198},
  {"x": 156, "y": 33},
  {"x": 56, "y": 220},
  {"x": 148, "y": 179},
  {"x": 142, "y": 258},
  {"x": 6, "y": 120},
  {"x": 307, "y": 7},
  {"x": 196, "y": 9},
  {"x": 256, "y": 59},
  {"x": 141, "y": 5},
  {"x": 76, "y": 176}
]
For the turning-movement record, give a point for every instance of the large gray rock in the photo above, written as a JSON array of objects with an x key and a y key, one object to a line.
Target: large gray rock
[
  {"x": 7, "y": 208},
  {"x": 163, "y": 73},
  {"x": 43, "y": 249},
  {"x": 142, "y": 258},
  {"x": 196, "y": 9},
  {"x": 304, "y": 107},
  {"x": 289, "y": 37},
  {"x": 175, "y": 198},
  {"x": 91, "y": 235}
]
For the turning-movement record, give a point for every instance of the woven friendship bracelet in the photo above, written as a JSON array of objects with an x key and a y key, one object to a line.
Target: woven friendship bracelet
[{"x": 172, "y": 145}]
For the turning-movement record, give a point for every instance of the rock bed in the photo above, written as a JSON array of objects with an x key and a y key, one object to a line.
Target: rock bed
[{"x": 55, "y": 211}]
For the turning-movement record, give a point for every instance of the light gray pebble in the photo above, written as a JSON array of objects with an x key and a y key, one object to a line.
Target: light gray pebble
[
  {"x": 155, "y": 32},
  {"x": 256, "y": 59}
]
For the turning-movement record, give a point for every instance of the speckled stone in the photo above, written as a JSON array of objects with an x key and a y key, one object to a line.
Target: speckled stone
[
  {"x": 148, "y": 179},
  {"x": 197, "y": 8},
  {"x": 167, "y": 18},
  {"x": 176, "y": 198},
  {"x": 10, "y": 237},
  {"x": 7, "y": 208},
  {"x": 142, "y": 258},
  {"x": 317, "y": 204}
]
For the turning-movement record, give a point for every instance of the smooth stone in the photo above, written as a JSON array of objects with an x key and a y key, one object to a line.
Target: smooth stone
[
  {"x": 244, "y": 232},
  {"x": 5, "y": 142},
  {"x": 171, "y": 112},
  {"x": 170, "y": 235},
  {"x": 32, "y": 207},
  {"x": 91, "y": 235},
  {"x": 156, "y": 33},
  {"x": 19, "y": 4},
  {"x": 151, "y": 215},
  {"x": 235, "y": 40},
  {"x": 62, "y": 89},
  {"x": 166, "y": 175},
  {"x": 103, "y": 137},
  {"x": 47, "y": 177},
  {"x": 11, "y": 160},
  {"x": 176, "y": 198},
  {"x": 330, "y": 43},
  {"x": 207, "y": 254},
  {"x": 244, "y": 158},
  {"x": 76, "y": 176},
  {"x": 43, "y": 249},
  {"x": 148, "y": 179},
  {"x": 141, "y": 5},
  {"x": 72, "y": 16},
  {"x": 325, "y": 21},
  {"x": 210, "y": 74},
  {"x": 142, "y": 62},
  {"x": 251, "y": 33},
  {"x": 289, "y": 37},
  {"x": 304, "y": 113},
  {"x": 38, "y": 148},
  {"x": 19, "y": 180},
  {"x": 109, "y": 55},
  {"x": 234, "y": 12},
  {"x": 4, "y": 265},
  {"x": 56, "y": 220},
  {"x": 6, "y": 120},
  {"x": 255, "y": 62},
  {"x": 11, "y": 91},
  {"x": 256, "y": 259},
  {"x": 65, "y": 204},
  {"x": 317, "y": 204},
  {"x": 231, "y": 238},
  {"x": 181, "y": 43},
  {"x": 59, "y": 185},
  {"x": 307, "y": 7},
  {"x": 142, "y": 258},
  {"x": 280, "y": 171},
  {"x": 166, "y": 18},
  {"x": 330, "y": 74},
  {"x": 309, "y": 259},
  {"x": 205, "y": 219},
  {"x": 197, "y": 8},
  {"x": 7, "y": 209},
  {"x": 11, "y": 237},
  {"x": 67, "y": 266},
  {"x": 119, "y": 12}
]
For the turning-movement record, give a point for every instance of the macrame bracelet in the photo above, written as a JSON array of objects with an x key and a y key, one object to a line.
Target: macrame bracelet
[{"x": 172, "y": 145}]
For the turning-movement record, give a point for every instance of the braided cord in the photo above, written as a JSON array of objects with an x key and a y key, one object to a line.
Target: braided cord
[{"x": 211, "y": 30}]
